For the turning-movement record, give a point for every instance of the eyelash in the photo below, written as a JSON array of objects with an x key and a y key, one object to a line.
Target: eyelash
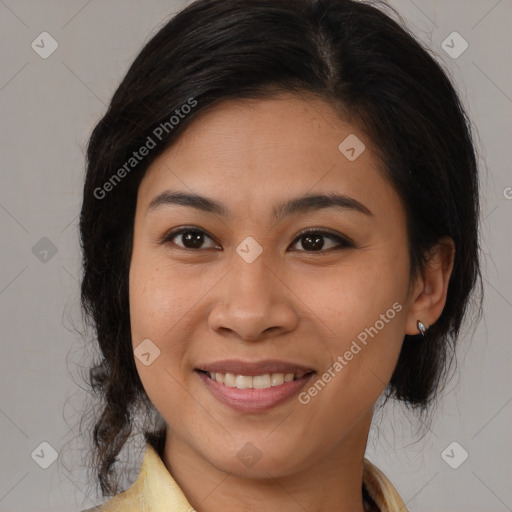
[{"x": 343, "y": 242}]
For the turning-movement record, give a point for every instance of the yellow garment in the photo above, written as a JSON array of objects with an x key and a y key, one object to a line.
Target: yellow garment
[{"x": 155, "y": 490}]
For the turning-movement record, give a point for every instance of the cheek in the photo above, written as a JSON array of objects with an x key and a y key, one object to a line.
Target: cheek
[
  {"x": 153, "y": 311},
  {"x": 353, "y": 295},
  {"x": 362, "y": 308},
  {"x": 160, "y": 296},
  {"x": 362, "y": 356},
  {"x": 157, "y": 305},
  {"x": 166, "y": 306}
]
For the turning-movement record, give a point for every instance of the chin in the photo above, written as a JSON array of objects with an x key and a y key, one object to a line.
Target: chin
[{"x": 259, "y": 459}]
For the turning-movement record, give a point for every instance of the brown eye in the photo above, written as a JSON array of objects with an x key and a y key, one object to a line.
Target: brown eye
[
  {"x": 190, "y": 238},
  {"x": 313, "y": 241}
]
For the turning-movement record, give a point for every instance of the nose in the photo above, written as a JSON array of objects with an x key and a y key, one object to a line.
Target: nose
[{"x": 252, "y": 303}]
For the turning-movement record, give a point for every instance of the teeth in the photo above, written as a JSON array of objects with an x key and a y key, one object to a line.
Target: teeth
[
  {"x": 261, "y": 381},
  {"x": 229, "y": 379},
  {"x": 257, "y": 382},
  {"x": 277, "y": 379},
  {"x": 243, "y": 382}
]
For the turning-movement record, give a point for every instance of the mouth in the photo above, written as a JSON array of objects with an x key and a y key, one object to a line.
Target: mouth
[
  {"x": 264, "y": 381},
  {"x": 253, "y": 387}
]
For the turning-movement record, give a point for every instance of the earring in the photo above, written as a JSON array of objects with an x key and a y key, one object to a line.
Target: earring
[{"x": 422, "y": 328}]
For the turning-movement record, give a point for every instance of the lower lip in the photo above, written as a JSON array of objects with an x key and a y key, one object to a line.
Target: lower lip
[{"x": 253, "y": 400}]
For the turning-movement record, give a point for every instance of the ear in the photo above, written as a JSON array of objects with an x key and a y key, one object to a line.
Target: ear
[{"x": 428, "y": 295}]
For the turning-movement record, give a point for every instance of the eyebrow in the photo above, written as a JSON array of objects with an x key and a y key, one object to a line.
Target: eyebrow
[{"x": 298, "y": 205}]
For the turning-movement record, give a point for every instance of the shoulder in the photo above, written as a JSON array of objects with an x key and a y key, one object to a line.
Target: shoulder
[
  {"x": 381, "y": 490},
  {"x": 115, "y": 505},
  {"x": 98, "y": 508},
  {"x": 127, "y": 501}
]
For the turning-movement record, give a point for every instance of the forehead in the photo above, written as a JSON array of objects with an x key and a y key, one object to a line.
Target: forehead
[
  {"x": 251, "y": 132},
  {"x": 256, "y": 152}
]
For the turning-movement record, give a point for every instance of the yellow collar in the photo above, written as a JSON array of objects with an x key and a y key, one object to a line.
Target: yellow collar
[{"x": 155, "y": 490}]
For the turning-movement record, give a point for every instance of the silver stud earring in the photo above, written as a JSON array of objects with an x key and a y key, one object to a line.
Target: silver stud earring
[{"x": 422, "y": 328}]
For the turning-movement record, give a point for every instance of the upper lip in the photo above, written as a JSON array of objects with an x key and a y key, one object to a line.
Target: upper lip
[{"x": 251, "y": 368}]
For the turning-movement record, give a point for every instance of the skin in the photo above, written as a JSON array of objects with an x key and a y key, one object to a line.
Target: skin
[{"x": 292, "y": 303}]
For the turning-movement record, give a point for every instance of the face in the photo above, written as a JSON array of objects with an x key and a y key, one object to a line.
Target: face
[{"x": 235, "y": 296}]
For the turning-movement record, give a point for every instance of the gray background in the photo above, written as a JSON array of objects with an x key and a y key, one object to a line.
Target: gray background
[{"x": 48, "y": 108}]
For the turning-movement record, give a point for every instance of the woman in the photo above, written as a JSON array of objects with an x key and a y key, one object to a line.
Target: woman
[{"x": 279, "y": 227}]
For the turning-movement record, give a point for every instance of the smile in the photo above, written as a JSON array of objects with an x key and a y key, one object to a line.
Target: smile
[
  {"x": 255, "y": 387},
  {"x": 254, "y": 382}
]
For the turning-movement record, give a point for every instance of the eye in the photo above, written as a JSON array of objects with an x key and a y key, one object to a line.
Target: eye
[
  {"x": 312, "y": 240},
  {"x": 192, "y": 238}
]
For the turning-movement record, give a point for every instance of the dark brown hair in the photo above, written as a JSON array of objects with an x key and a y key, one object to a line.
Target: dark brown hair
[{"x": 349, "y": 53}]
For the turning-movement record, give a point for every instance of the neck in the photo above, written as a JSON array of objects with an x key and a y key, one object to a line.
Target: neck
[{"x": 332, "y": 482}]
